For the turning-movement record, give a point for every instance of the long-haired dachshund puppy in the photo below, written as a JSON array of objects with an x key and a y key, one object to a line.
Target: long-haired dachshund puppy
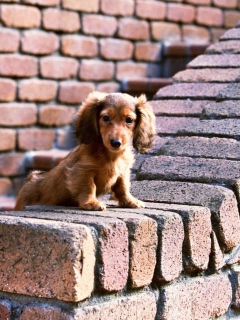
[{"x": 106, "y": 126}]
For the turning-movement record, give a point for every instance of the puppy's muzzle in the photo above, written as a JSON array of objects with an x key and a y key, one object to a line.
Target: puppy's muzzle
[{"x": 115, "y": 143}]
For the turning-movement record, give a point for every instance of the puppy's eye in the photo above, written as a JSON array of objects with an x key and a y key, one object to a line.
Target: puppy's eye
[
  {"x": 129, "y": 120},
  {"x": 106, "y": 118}
]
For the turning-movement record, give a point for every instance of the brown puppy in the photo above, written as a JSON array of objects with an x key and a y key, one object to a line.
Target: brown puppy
[{"x": 107, "y": 125}]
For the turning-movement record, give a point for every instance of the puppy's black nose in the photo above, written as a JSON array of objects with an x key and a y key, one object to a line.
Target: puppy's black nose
[{"x": 115, "y": 143}]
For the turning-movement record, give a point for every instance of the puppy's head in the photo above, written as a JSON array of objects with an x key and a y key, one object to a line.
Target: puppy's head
[{"x": 116, "y": 120}]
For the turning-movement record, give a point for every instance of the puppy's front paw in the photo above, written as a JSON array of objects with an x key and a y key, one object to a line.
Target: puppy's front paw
[
  {"x": 132, "y": 203},
  {"x": 94, "y": 205}
]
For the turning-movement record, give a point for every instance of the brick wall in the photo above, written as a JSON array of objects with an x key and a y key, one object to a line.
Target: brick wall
[{"x": 54, "y": 52}]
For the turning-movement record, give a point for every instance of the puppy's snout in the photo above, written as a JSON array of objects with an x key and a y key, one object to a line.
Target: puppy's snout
[{"x": 115, "y": 143}]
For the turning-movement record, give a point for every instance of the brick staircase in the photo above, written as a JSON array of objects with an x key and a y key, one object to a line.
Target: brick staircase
[{"x": 176, "y": 259}]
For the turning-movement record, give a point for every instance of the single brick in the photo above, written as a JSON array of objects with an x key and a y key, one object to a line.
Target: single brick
[
  {"x": 141, "y": 306},
  {"x": 231, "y": 18},
  {"x": 108, "y": 87},
  {"x": 171, "y": 125},
  {"x": 5, "y": 310},
  {"x": 44, "y": 3},
  {"x": 216, "y": 258},
  {"x": 99, "y": 25},
  {"x": 18, "y": 114},
  {"x": 197, "y": 230},
  {"x": 215, "y": 148},
  {"x": 35, "y": 139},
  {"x": 128, "y": 69},
  {"x": 55, "y": 115},
  {"x": 216, "y": 61},
  {"x": 11, "y": 164},
  {"x": 89, "y": 6},
  {"x": 79, "y": 46},
  {"x": 96, "y": 70},
  {"x": 148, "y": 51},
  {"x": 74, "y": 92},
  {"x": 20, "y": 16},
  {"x": 165, "y": 31},
  {"x": 5, "y": 187},
  {"x": 209, "y": 16},
  {"x": 226, "y": 4},
  {"x": 61, "y": 20},
  {"x": 58, "y": 67},
  {"x": 48, "y": 259},
  {"x": 221, "y": 201},
  {"x": 197, "y": 298},
  {"x": 180, "y": 12},
  {"x": 37, "y": 90},
  {"x": 207, "y": 75},
  {"x": 191, "y": 90},
  {"x": 195, "y": 34},
  {"x": 9, "y": 40},
  {"x": 39, "y": 42},
  {"x": 151, "y": 10},
  {"x": 7, "y": 139},
  {"x": 118, "y": 7},
  {"x": 133, "y": 29},
  {"x": 7, "y": 90},
  {"x": 116, "y": 49},
  {"x": 18, "y": 66},
  {"x": 34, "y": 312}
]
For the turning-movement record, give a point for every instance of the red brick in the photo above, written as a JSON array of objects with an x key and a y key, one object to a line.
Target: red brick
[
  {"x": 36, "y": 139},
  {"x": 141, "y": 306},
  {"x": 39, "y": 42},
  {"x": 181, "y": 13},
  {"x": 133, "y": 29},
  {"x": 79, "y": 46},
  {"x": 37, "y": 90},
  {"x": 44, "y": 160},
  {"x": 96, "y": 70},
  {"x": 7, "y": 139},
  {"x": 5, "y": 310},
  {"x": 195, "y": 34},
  {"x": 230, "y": 4},
  {"x": 148, "y": 51},
  {"x": 46, "y": 313},
  {"x": 18, "y": 114},
  {"x": 74, "y": 92},
  {"x": 61, "y": 20},
  {"x": 20, "y": 16},
  {"x": 18, "y": 66},
  {"x": 150, "y": 10},
  {"x": 8, "y": 90},
  {"x": 209, "y": 16},
  {"x": 11, "y": 164},
  {"x": 131, "y": 70},
  {"x": 5, "y": 189},
  {"x": 83, "y": 6},
  {"x": 199, "y": 2},
  {"x": 197, "y": 298},
  {"x": 166, "y": 31},
  {"x": 44, "y": 3},
  {"x": 231, "y": 18},
  {"x": 65, "y": 139},
  {"x": 9, "y": 40},
  {"x": 99, "y": 25},
  {"x": 50, "y": 259},
  {"x": 118, "y": 7},
  {"x": 58, "y": 67},
  {"x": 55, "y": 115},
  {"x": 116, "y": 49},
  {"x": 108, "y": 87}
]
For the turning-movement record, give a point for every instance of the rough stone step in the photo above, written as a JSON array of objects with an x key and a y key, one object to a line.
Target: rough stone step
[
  {"x": 171, "y": 125},
  {"x": 194, "y": 91},
  {"x": 232, "y": 34},
  {"x": 228, "y": 128},
  {"x": 221, "y": 201},
  {"x": 219, "y": 110},
  {"x": 232, "y": 91},
  {"x": 223, "y": 47},
  {"x": 207, "y": 75},
  {"x": 216, "y": 61},
  {"x": 216, "y": 148}
]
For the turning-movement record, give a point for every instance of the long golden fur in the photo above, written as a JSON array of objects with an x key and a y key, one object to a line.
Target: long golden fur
[{"x": 107, "y": 126}]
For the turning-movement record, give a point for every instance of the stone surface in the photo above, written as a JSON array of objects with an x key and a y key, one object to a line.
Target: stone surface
[
  {"x": 226, "y": 47},
  {"x": 216, "y": 259},
  {"x": 216, "y": 61},
  {"x": 46, "y": 259},
  {"x": 219, "y": 110},
  {"x": 221, "y": 201},
  {"x": 230, "y": 92}
]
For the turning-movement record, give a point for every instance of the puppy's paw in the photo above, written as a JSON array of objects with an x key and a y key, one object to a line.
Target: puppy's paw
[
  {"x": 94, "y": 205},
  {"x": 132, "y": 203}
]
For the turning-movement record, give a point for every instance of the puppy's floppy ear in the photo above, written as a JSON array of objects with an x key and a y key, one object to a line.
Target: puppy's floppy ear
[
  {"x": 144, "y": 131},
  {"x": 86, "y": 121}
]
